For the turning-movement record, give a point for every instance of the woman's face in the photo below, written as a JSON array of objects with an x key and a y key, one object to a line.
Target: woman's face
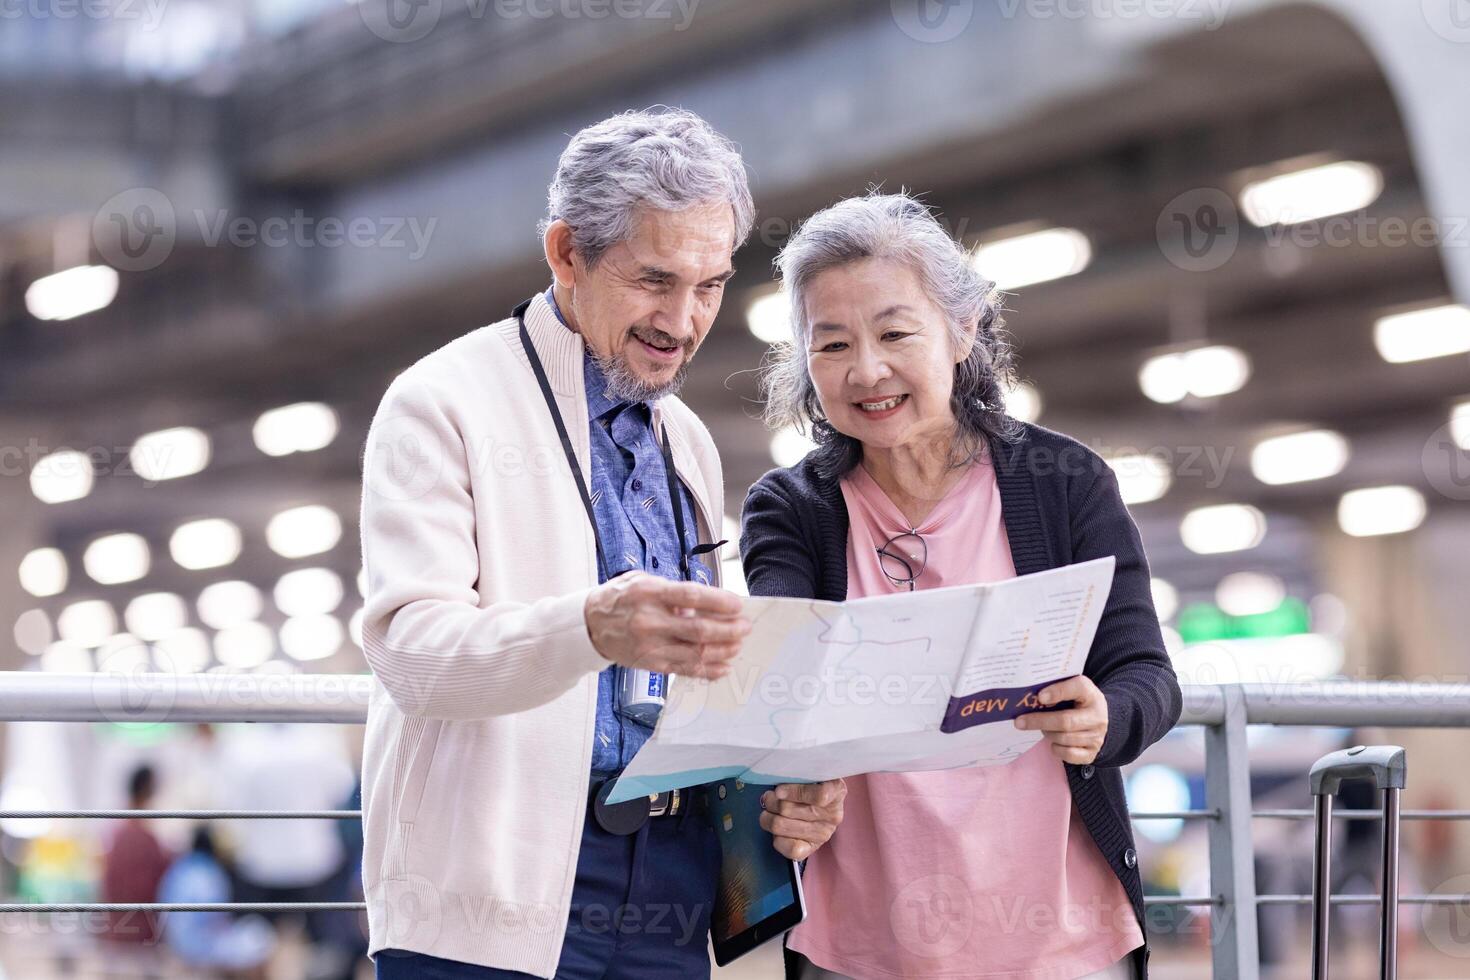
[{"x": 880, "y": 354}]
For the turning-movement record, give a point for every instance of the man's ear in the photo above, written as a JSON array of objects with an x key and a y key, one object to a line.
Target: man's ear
[{"x": 560, "y": 254}]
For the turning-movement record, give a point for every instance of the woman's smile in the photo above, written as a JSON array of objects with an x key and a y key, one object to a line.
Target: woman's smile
[{"x": 881, "y": 408}]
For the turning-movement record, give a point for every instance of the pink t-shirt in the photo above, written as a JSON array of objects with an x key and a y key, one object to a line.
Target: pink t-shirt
[{"x": 965, "y": 872}]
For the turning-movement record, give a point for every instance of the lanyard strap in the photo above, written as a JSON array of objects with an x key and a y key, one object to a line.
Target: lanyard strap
[
  {"x": 674, "y": 500},
  {"x": 571, "y": 454}
]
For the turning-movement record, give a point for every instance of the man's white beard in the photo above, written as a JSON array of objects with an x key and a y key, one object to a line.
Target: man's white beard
[{"x": 623, "y": 384}]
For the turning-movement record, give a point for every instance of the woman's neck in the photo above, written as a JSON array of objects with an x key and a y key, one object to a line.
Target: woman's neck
[{"x": 916, "y": 475}]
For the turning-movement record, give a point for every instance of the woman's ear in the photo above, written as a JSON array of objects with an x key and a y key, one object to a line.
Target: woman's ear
[
  {"x": 560, "y": 253},
  {"x": 966, "y": 343}
]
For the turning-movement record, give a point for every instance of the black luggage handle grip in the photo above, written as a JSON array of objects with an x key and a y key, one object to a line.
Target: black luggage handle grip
[{"x": 1384, "y": 764}]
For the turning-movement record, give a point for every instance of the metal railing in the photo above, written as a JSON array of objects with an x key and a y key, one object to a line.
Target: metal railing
[{"x": 1224, "y": 711}]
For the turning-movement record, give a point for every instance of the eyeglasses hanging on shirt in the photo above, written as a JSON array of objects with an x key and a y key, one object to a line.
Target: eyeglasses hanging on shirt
[
  {"x": 902, "y": 558},
  {"x": 641, "y": 693}
]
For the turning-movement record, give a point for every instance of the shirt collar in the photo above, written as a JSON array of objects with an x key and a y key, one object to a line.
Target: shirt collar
[
  {"x": 598, "y": 402},
  {"x": 551, "y": 300}
]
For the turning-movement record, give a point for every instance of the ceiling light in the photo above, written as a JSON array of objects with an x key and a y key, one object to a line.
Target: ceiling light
[
  {"x": 299, "y": 428},
  {"x": 1299, "y": 457},
  {"x": 1419, "y": 335},
  {"x": 43, "y": 572},
  {"x": 1166, "y": 598},
  {"x": 1023, "y": 402},
  {"x": 1316, "y": 192},
  {"x": 1221, "y": 528},
  {"x": 1141, "y": 477},
  {"x": 1460, "y": 425},
  {"x": 184, "y": 651},
  {"x": 311, "y": 637},
  {"x": 769, "y": 318},
  {"x": 1249, "y": 593},
  {"x": 226, "y": 604},
  {"x": 308, "y": 590},
  {"x": 1205, "y": 372},
  {"x": 206, "y": 543},
  {"x": 72, "y": 292},
  {"x": 33, "y": 632},
  {"x": 61, "y": 476},
  {"x": 170, "y": 453},
  {"x": 116, "y": 558},
  {"x": 86, "y": 623},
  {"x": 302, "y": 531},
  {"x": 155, "y": 614},
  {"x": 789, "y": 447},
  {"x": 63, "y": 657},
  {"x": 244, "y": 645},
  {"x": 123, "y": 653},
  {"x": 1380, "y": 510},
  {"x": 1039, "y": 256}
]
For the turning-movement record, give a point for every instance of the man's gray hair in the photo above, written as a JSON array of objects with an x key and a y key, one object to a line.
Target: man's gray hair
[
  {"x": 901, "y": 228},
  {"x": 661, "y": 158}
]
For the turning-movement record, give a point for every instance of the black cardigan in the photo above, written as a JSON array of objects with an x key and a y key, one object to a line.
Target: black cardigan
[{"x": 1061, "y": 505}]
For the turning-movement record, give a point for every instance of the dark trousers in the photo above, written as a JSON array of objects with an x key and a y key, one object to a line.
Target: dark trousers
[{"x": 640, "y": 909}]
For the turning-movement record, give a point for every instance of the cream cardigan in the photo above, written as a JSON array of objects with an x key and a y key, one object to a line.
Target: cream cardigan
[{"x": 479, "y": 559}]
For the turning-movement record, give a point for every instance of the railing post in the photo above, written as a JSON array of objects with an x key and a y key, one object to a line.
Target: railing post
[{"x": 1234, "y": 942}]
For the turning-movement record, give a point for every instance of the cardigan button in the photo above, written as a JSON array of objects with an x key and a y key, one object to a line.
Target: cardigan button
[
  {"x": 1087, "y": 772},
  {"x": 1130, "y": 858}
]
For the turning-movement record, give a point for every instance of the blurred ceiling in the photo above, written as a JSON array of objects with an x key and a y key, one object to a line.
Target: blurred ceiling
[{"x": 1098, "y": 126}]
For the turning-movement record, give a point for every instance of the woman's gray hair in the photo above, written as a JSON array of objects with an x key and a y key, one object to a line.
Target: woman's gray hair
[
  {"x": 662, "y": 158},
  {"x": 897, "y": 227}
]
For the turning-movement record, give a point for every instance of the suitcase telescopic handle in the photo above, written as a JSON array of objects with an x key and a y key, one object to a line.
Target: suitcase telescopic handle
[{"x": 1384, "y": 764}]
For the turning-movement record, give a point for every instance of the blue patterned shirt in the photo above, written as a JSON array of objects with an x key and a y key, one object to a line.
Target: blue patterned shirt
[{"x": 630, "y": 498}]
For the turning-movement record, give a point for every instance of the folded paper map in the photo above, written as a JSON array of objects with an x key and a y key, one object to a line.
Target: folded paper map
[{"x": 898, "y": 683}]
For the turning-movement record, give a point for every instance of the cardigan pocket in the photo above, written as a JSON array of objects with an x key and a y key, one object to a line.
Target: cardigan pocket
[{"x": 416, "y": 774}]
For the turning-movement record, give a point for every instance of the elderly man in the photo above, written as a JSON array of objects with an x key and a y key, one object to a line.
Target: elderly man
[{"x": 538, "y": 524}]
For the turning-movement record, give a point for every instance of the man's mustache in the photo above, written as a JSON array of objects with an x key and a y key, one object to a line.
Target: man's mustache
[{"x": 657, "y": 338}]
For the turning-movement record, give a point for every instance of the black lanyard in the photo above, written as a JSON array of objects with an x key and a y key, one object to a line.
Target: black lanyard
[{"x": 571, "y": 454}]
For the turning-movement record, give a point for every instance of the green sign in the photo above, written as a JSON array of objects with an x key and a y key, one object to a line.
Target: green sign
[{"x": 1203, "y": 621}]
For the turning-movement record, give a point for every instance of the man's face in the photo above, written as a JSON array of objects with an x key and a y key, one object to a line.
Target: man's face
[{"x": 646, "y": 306}]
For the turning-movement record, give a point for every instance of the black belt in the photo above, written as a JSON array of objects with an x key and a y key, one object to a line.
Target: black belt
[{"x": 627, "y": 817}]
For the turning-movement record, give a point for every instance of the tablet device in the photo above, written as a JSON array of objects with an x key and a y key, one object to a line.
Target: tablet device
[{"x": 759, "y": 896}]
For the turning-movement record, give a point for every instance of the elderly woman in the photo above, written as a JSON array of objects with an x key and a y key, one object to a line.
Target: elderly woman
[{"x": 920, "y": 480}]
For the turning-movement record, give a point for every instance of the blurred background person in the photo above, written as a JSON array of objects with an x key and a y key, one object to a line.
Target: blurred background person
[
  {"x": 132, "y": 868},
  {"x": 292, "y": 767},
  {"x": 235, "y": 947}
]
